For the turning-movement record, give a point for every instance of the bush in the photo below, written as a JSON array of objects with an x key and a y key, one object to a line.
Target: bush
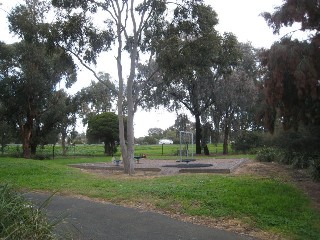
[
  {"x": 296, "y": 159},
  {"x": 301, "y": 148},
  {"x": 247, "y": 142},
  {"x": 20, "y": 219},
  {"x": 268, "y": 154}
]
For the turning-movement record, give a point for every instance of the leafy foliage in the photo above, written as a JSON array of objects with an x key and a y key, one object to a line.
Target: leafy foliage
[
  {"x": 33, "y": 70},
  {"x": 294, "y": 66},
  {"x": 305, "y": 12},
  {"x": 292, "y": 88},
  {"x": 297, "y": 148},
  {"x": 192, "y": 57},
  {"x": 97, "y": 98},
  {"x": 292, "y": 83},
  {"x": 104, "y": 128},
  {"x": 268, "y": 154},
  {"x": 247, "y": 142}
]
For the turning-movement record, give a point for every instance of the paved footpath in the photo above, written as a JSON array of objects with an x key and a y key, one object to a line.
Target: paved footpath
[{"x": 85, "y": 219}]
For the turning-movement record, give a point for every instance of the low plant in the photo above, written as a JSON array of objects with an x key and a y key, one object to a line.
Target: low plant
[
  {"x": 268, "y": 154},
  {"x": 20, "y": 219}
]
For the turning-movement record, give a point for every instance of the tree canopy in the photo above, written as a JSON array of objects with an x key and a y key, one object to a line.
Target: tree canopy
[
  {"x": 28, "y": 86},
  {"x": 31, "y": 70},
  {"x": 96, "y": 98},
  {"x": 236, "y": 95},
  {"x": 193, "y": 57},
  {"x": 292, "y": 83},
  {"x": 104, "y": 128}
]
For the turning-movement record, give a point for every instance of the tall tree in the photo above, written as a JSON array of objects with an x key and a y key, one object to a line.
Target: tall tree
[
  {"x": 33, "y": 71},
  {"x": 193, "y": 57},
  {"x": 292, "y": 83},
  {"x": 236, "y": 95},
  {"x": 128, "y": 20}
]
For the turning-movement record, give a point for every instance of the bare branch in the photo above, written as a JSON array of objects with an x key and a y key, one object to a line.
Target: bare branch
[{"x": 92, "y": 71}]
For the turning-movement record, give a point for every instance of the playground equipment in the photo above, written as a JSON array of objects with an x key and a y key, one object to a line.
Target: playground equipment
[{"x": 186, "y": 147}]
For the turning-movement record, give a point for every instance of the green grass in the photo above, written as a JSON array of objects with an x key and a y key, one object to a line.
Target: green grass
[
  {"x": 152, "y": 151},
  {"x": 266, "y": 204}
]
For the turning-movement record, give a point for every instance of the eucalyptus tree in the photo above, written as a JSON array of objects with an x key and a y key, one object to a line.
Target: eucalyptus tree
[
  {"x": 54, "y": 121},
  {"x": 236, "y": 95},
  {"x": 155, "y": 132},
  {"x": 96, "y": 98},
  {"x": 131, "y": 26},
  {"x": 62, "y": 117},
  {"x": 193, "y": 57},
  {"x": 33, "y": 70},
  {"x": 182, "y": 123}
]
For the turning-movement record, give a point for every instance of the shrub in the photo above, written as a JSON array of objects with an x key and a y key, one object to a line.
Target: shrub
[
  {"x": 20, "y": 219},
  {"x": 268, "y": 154},
  {"x": 247, "y": 142},
  {"x": 301, "y": 148}
]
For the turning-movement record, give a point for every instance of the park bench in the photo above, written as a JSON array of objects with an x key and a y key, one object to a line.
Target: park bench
[{"x": 116, "y": 161}]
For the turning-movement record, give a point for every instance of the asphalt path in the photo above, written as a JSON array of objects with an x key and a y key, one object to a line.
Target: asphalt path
[{"x": 85, "y": 219}]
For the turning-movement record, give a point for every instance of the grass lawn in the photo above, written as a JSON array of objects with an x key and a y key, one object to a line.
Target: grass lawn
[
  {"x": 168, "y": 150},
  {"x": 262, "y": 203}
]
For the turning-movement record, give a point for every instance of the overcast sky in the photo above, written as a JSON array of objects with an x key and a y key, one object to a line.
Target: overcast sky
[{"x": 239, "y": 17}]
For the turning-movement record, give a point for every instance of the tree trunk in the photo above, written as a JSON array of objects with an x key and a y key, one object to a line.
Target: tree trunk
[
  {"x": 225, "y": 139},
  {"x": 26, "y": 131},
  {"x": 33, "y": 148},
  {"x": 129, "y": 168},
  {"x": 126, "y": 150},
  {"x": 63, "y": 141},
  {"x": 198, "y": 134},
  {"x": 106, "y": 148},
  {"x": 227, "y": 131}
]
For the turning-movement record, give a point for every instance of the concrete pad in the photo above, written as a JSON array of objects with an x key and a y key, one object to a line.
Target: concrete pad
[{"x": 170, "y": 167}]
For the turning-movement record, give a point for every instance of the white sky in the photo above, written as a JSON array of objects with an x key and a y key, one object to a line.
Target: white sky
[{"x": 239, "y": 17}]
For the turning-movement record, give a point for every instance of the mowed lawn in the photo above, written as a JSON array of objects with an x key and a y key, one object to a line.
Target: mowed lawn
[
  {"x": 97, "y": 150},
  {"x": 263, "y": 203}
]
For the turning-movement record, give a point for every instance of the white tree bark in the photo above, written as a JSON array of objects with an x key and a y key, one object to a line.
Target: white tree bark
[{"x": 122, "y": 14}]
